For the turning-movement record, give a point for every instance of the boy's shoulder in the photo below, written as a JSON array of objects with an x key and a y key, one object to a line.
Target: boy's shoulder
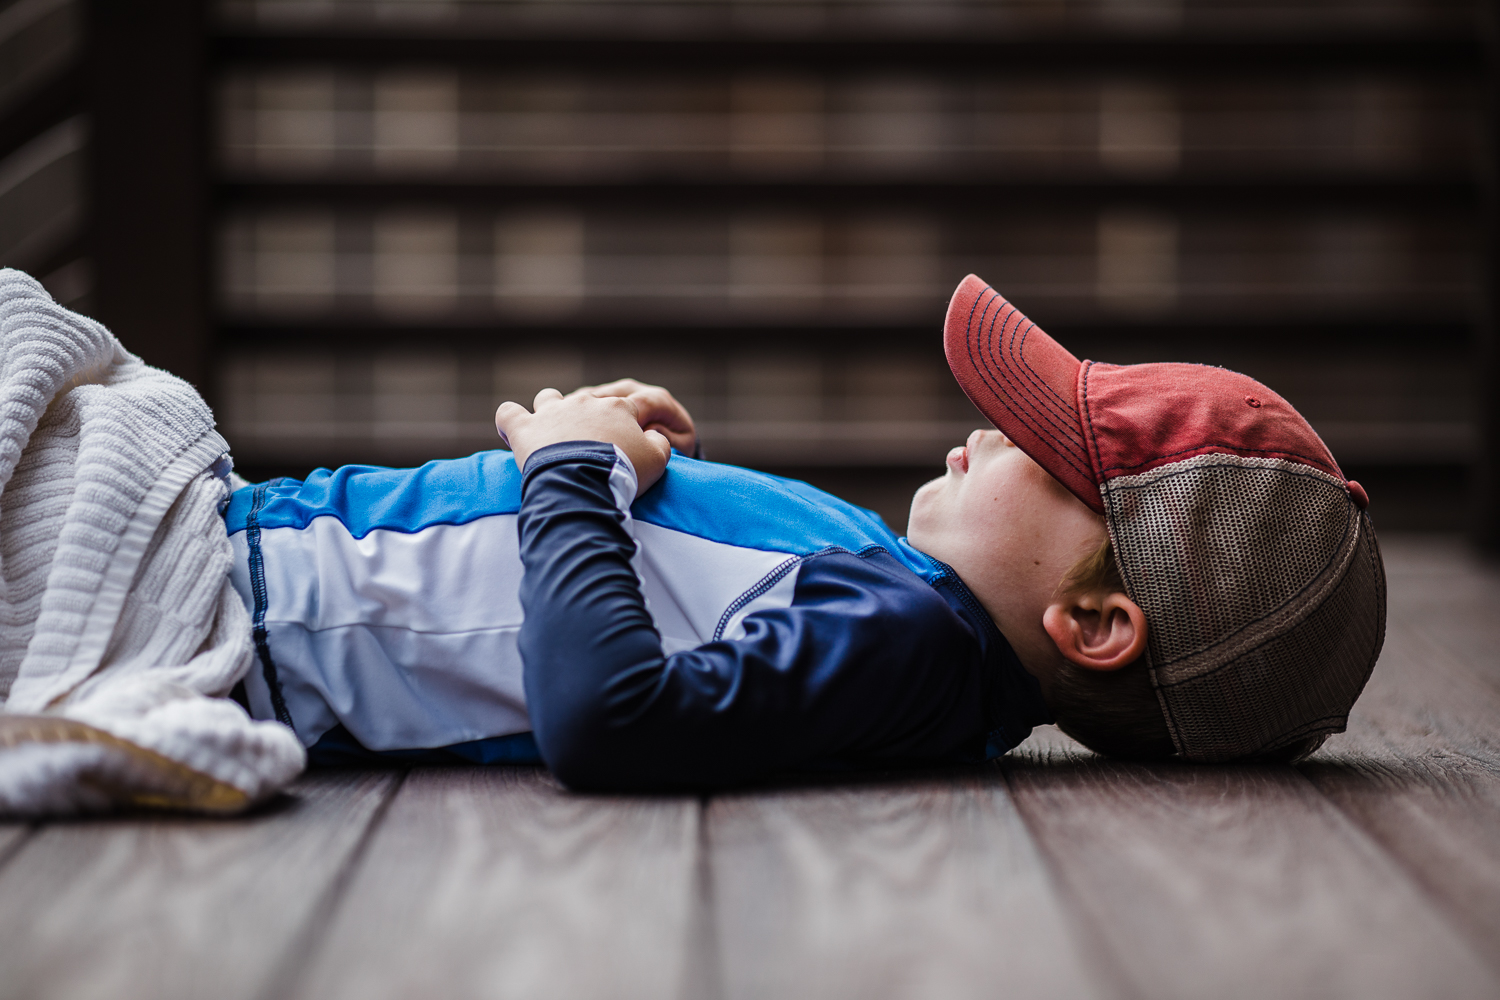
[{"x": 738, "y": 506}]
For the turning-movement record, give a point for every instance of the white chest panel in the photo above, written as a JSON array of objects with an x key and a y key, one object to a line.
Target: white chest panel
[{"x": 409, "y": 638}]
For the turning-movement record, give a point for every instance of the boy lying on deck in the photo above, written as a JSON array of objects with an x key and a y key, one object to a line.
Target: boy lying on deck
[{"x": 1164, "y": 559}]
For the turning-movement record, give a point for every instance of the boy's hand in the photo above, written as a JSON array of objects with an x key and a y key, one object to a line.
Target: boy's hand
[
  {"x": 656, "y": 410},
  {"x": 584, "y": 416}
]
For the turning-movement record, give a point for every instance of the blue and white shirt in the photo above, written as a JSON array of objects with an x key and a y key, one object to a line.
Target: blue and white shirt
[{"x": 725, "y": 625}]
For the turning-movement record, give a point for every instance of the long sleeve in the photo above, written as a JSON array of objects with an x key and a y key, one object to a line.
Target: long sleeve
[{"x": 868, "y": 665}]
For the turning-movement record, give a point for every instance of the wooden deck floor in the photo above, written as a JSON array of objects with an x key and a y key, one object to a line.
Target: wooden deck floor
[{"x": 1372, "y": 871}]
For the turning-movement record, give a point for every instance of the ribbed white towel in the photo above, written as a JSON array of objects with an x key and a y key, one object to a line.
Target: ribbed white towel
[{"x": 119, "y": 630}]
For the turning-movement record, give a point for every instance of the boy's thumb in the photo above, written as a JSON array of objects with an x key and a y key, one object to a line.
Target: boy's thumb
[
  {"x": 660, "y": 443},
  {"x": 649, "y": 470}
]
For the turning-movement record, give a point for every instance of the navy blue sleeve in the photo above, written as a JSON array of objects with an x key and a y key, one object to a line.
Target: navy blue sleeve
[{"x": 867, "y": 666}]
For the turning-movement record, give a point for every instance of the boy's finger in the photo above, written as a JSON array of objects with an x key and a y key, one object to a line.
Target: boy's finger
[
  {"x": 506, "y": 416},
  {"x": 509, "y": 411},
  {"x": 543, "y": 396},
  {"x": 659, "y": 441},
  {"x": 657, "y": 406},
  {"x": 619, "y": 387},
  {"x": 681, "y": 440}
]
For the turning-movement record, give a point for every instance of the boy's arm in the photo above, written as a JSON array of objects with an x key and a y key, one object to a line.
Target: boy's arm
[{"x": 858, "y": 668}]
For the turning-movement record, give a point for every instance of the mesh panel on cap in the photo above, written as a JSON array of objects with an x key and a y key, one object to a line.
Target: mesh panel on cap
[
  {"x": 1301, "y": 683},
  {"x": 1207, "y": 546},
  {"x": 1263, "y": 589}
]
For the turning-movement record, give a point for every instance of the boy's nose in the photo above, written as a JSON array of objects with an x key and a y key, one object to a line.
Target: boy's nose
[{"x": 989, "y": 434}]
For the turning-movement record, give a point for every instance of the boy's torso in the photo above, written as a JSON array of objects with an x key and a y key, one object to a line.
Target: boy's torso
[{"x": 389, "y": 597}]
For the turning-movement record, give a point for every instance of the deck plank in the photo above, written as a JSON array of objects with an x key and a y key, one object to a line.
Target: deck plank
[
  {"x": 494, "y": 882},
  {"x": 1419, "y": 768},
  {"x": 11, "y": 835},
  {"x": 1236, "y": 882},
  {"x": 917, "y": 888},
  {"x": 1442, "y": 592},
  {"x": 158, "y": 908}
]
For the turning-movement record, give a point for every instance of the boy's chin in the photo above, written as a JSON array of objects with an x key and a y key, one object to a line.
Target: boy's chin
[{"x": 920, "y": 520}]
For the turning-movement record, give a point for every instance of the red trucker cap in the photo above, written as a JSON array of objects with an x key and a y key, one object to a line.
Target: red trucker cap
[{"x": 1233, "y": 527}]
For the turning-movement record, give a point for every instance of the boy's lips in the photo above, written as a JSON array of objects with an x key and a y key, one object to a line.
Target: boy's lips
[{"x": 958, "y": 458}]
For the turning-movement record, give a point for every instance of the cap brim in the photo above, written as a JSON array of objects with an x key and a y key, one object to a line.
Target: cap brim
[{"x": 1025, "y": 382}]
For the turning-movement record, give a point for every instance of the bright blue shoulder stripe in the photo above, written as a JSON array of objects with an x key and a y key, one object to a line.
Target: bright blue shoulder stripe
[
  {"x": 367, "y": 497},
  {"x": 724, "y": 503},
  {"x": 721, "y": 503}
]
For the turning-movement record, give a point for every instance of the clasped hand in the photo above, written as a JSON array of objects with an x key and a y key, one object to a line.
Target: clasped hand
[{"x": 645, "y": 421}]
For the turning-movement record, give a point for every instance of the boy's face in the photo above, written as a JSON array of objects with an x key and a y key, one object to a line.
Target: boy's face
[{"x": 1009, "y": 530}]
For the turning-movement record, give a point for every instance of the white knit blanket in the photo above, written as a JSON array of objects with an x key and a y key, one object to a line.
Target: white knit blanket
[{"x": 120, "y": 633}]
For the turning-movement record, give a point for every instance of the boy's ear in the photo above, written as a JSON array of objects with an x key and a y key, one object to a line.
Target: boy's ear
[{"x": 1098, "y": 630}]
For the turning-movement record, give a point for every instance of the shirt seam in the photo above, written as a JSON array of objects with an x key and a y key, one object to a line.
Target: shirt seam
[
  {"x": 779, "y": 573},
  {"x": 261, "y": 601},
  {"x": 369, "y": 625}
]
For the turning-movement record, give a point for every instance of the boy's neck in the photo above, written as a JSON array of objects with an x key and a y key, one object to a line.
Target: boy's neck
[{"x": 1008, "y": 610}]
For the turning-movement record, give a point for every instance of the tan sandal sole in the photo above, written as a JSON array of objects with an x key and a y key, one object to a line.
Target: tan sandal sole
[{"x": 178, "y": 786}]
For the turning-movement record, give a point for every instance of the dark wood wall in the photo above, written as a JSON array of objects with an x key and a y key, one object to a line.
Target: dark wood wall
[
  {"x": 250, "y": 214},
  {"x": 149, "y": 186},
  {"x": 1485, "y": 497}
]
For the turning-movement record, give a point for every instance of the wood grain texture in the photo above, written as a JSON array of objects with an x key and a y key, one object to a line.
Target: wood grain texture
[
  {"x": 1422, "y": 695},
  {"x": 494, "y": 882},
  {"x": 1438, "y": 815},
  {"x": 919, "y": 888},
  {"x": 1236, "y": 882},
  {"x": 1419, "y": 768},
  {"x": 166, "y": 907}
]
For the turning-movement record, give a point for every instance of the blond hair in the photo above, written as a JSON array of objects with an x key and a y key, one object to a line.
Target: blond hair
[
  {"x": 1110, "y": 711},
  {"x": 1116, "y": 712}
]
